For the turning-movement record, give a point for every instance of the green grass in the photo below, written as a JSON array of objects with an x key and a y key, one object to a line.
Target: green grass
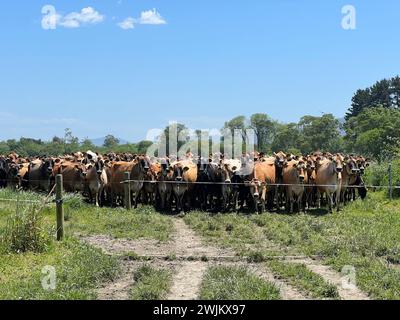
[
  {"x": 232, "y": 283},
  {"x": 85, "y": 219},
  {"x": 150, "y": 283},
  {"x": 143, "y": 222},
  {"x": 305, "y": 280},
  {"x": 79, "y": 270},
  {"x": 229, "y": 230},
  {"x": 365, "y": 234}
]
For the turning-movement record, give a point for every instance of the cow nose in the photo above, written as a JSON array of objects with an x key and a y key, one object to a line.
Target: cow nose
[
  {"x": 354, "y": 170},
  {"x": 339, "y": 169},
  {"x": 301, "y": 178},
  {"x": 99, "y": 171},
  {"x": 18, "y": 175},
  {"x": 146, "y": 168},
  {"x": 228, "y": 181},
  {"x": 178, "y": 178},
  {"x": 49, "y": 169},
  {"x": 256, "y": 195}
]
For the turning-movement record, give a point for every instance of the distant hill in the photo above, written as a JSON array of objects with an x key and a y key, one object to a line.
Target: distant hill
[{"x": 98, "y": 142}]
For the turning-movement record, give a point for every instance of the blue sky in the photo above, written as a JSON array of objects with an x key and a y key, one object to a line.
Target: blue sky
[{"x": 201, "y": 63}]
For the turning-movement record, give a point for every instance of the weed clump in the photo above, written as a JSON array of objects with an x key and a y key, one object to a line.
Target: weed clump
[{"x": 25, "y": 232}]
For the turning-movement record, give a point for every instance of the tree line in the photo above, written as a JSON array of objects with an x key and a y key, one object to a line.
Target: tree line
[{"x": 371, "y": 127}]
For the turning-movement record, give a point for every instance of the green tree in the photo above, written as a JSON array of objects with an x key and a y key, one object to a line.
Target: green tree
[
  {"x": 374, "y": 132},
  {"x": 110, "y": 142},
  {"x": 87, "y": 144},
  {"x": 384, "y": 93},
  {"x": 265, "y": 129},
  {"x": 319, "y": 133},
  {"x": 287, "y": 137}
]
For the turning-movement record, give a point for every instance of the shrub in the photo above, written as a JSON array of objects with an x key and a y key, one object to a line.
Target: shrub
[
  {"x": 25, "y": 232},
  {"x": 377, "y": 174}
]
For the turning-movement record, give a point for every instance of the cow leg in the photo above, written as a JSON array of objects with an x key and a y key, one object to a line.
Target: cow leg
[{"x": 330, "y": 201}]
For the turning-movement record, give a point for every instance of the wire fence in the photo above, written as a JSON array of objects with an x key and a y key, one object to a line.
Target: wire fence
[{"x": 245, "y": 183}]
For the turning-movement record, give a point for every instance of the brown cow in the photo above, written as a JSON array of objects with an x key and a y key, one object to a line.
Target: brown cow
[
  {"x": 349, "y": 177},
  {"x": 293, "y": 178},
  {"x": 164, "y": 185},
  {"x": 96, "y": 180},
  {"x": 150, "y": 184},
  {"x": 328, "y": 180},
  {"x": 137, "y": 169},
  {"x": 184, "y": 171},
  {"x": 309, "y": 181},
  {"x": 74, "y": 174},
  {"x": 264, "y": 173},
  {"x": 40, "y": 174}
]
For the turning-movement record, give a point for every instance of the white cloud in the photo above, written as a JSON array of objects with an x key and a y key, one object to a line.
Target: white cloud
[
  {"x": 76, "y": 19},
  {"x": 151, "y": 17},
  {"x": 127, "y": 24},
  {"x": 146, "y": 17}
]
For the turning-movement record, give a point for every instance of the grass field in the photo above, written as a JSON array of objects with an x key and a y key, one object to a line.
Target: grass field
[
  {"x": 364, "y": 235},
  {"x": 80, "y": 268},
  {"x": 234, "y": 283}
]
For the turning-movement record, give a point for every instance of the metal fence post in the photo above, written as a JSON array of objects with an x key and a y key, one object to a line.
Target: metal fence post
[
  {"x": 127, "y": 190},
  {"x": 59, "y": 207}
]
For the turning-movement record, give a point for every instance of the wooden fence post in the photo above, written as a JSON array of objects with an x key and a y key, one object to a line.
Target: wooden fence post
[
  {"x": 127, "y": 190},
  {"x": 59, "y": 207}
]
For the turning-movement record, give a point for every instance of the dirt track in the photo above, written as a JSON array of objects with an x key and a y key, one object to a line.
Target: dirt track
[{"x": 188, "y": 258}]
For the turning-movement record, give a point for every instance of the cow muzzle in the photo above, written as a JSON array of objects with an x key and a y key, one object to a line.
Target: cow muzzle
[
  {"x": 301, "y": 179},
  {"x": 339, "y": 169},
  {"x": 256, "y": 195},
  {"x": 99, "y": 172},
  {"x": 178, "y": 178}
]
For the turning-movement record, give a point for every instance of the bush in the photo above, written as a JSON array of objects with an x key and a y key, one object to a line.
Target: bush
[
  {"x": 377, "y": 174},
  {"x": 25, "y": 232}
]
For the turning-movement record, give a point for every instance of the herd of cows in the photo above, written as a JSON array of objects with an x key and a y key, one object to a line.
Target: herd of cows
[{"x": 252, "y": 182}]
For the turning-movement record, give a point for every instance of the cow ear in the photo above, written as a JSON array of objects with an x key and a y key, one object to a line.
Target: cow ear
[
  {"x": 58, "y": 160},
  {"x": 366, "y": 164},
  {"x": 90, "y": 167},
  {"x": 185, "y": 169},
  {"x": 294, "y": 165},
  {"x": 21, "y": 166}
]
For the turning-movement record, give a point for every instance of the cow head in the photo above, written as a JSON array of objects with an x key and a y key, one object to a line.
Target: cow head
[
  {"x": 14, "y": 170},
  {"x": 99, "y": 165},
  {"x": 350, "y": 166},
  {"x": 362, "y": 164},
  {"x": 81, "y": 170},
  {"x": 226, "y": 173},
  {"x": 47, "y": 166},
  {"x": 179, "y": 171},
  {"x": 280, "y": 159},
  {"x": 338, "y": 162},
  {"x": 300, "y": 170}
]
